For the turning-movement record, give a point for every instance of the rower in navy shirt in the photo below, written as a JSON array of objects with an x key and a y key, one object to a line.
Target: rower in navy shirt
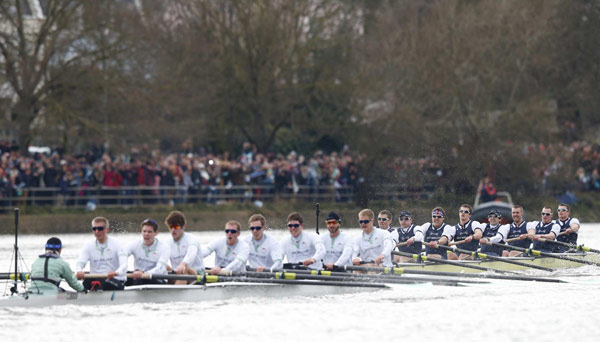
[
  {"x": 406, "y": 236},
  {"x": 431, "y": 232},
  {"x": 518, "y": 231},
  {"x": 569, "y": 228},
  {"x": 493, "y": 232},
  {"x": 466, "y": 233},
  {"x": 545, "y": 229}
]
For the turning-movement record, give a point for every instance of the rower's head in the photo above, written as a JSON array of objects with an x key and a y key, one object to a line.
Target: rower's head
[
  {"x": 517, "y": 214},
  {"x": 257, "y": 224},
  {"x": 563, "y": 211},
  {"x": 232, "y": 232},
  {"x": 405, "y": 219},
  {"x": 295, "y": 223},
  {"x": 547, "y": 215},
  {"x": 100, "y": 228},
  {"x": 333, "y": 221},
  {"x": 149, "y": 231},
  {"x": 384, "y": 219},
  {"x": 438, "y": 215},
  {"x": 365, "y": 219},
  {"x": 176, "y": 223},
  {"x": 464, "y": 212},
  {"x": 54, "y": 245},
  {"x": 494, "y": 217}
]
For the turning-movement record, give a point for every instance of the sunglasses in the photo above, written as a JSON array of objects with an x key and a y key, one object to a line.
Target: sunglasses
[
  {"x": 256, "y": 228},
  {"x": 98, "y": 228},
  {"x": 295, "y": 225},
  {"x": 493, "y": 216},
  {"x": 437, "y": 216},
  {"x": 174, "y": 227},
  {"x": 462, "y": 211},
  {"x": 364, "y": 221},
  {"x": 404, "y": 218},
  {"x": 561, "y": 210},
  {"x": 382, "y": 219},
  {"x": 331, "y": 223},
  {"x": 546, "y": 214},
  {"x": 231, "y": 231}
]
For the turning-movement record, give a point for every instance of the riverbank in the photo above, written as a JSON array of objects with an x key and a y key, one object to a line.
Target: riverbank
[{"x": 203, "y": 217}]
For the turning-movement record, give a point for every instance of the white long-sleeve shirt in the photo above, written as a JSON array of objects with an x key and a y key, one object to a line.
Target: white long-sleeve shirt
[
  {"x": 265, "y": 252},
  {"x": 338, "y": 250},
  {"x": 450, "y": 231},
  {"x": 153, "y": 259},
  {"x": 187, "y": 250},
  {"x": 501, "y": 235},
  {"x": 306, "y": 246},
  {"x": 370, "y": 246},
  {"x": 229, "y": 258},
  {"x": 104, "y": 257}
]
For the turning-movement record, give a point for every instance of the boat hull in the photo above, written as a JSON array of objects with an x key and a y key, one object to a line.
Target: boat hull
[
  {"x": 503, "y": 266},
  {"x": 181, "y": 293}
]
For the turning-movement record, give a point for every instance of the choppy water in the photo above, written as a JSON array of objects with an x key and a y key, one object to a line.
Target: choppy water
[{"x": 502, "y": 310}]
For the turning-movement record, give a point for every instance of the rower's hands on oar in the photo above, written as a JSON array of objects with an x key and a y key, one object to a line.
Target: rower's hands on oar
[
  {"x": 433, "y": 244},
  {"x": 137, "y": 274},
  {"x": 182, "y": 268},
  {"x": 308, "y": 262},
  {"x": 79, "y": 275},
  {"x": 410, "y": 241},
  {"x": 356, "y": 261},
  {"x": 379, "y": 259},
  {"x": 329, "y": 266},
  {"x": 215, "y": 270},
  {"x": 260, "y": 269},
  {"x": 111, "y": 274},
  {"x": 484, "y": 241},
  {"x": 523, "y": 236}
]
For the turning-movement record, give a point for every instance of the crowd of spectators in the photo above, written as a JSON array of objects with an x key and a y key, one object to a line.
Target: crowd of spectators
[{"x": 203, "y": 176}]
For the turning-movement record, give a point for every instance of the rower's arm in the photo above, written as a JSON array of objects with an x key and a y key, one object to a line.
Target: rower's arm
[
  {"x": 346, "y": 255},
  {"x": 419, "y": 234},
  {"x": 209, "y": 249},
  {"x": 67, "y": 274},
  {"x": 240, "y": 261},
  {"x": 277, "y": 256},
  {"x": 575, "y": 225},
  {"x": 163, "y": 260},
  {"x": 319, "y": 250},
  {"x": 84, "y": 257},
  {"x": 190, "y": 255},
  {"x": 501, "y": 235},
  {"x": 123, "y": 262},
  {"x": 478, "y": 231}
]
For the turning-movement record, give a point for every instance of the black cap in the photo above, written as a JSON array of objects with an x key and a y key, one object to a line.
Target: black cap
[
  {"x": 53, "y": 243},
  {"x": 494, "y": 212},
  {"x": 405, "y": 213},
  {"x": 333, "y": 216}
]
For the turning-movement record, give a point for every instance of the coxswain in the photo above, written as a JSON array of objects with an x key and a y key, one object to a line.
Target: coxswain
[
  {"x": 518, "y": 232},
  {"x": 373, "y": 245},
  {"x": 493, "y": 232},
  {"x": 186, "y": 252},
  {"x": 466, "y": 233},
  {"x": 546, "y": 229},
  {"x": 265, "y": 250},
  {"x": 338, "y": 245},
  {"x": 150, "y": 256},
  {"x": 303, "y": 249},
  {"x": 49, "y": 269},
  {"x": 406, "y": 236},
  {"x": 231, "y": 254},
  {"x": 431, "y": 232},
  {"x": 106, "y": 255},
  {"x": 569, "y": 228}
]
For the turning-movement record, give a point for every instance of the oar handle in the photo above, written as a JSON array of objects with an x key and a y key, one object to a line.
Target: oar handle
[{"x": 456, "y": 243}]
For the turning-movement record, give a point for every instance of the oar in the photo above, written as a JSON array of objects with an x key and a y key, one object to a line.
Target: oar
[
  {"x": 579, "y": 248},
  {"x": 203, "y": 279},
  {"x": 11, "y": 276},
  {"x": 398, "y": 270},
  {"x": 351, "y": 277},
  {"x": 476, "y": 254},
  {"x": 448, "y": 262},
  {"x": 317, "y": 212},
  {"x": 540, "y": 253}
]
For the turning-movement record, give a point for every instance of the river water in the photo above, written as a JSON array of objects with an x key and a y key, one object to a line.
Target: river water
[{"x": 499, "y": 311}]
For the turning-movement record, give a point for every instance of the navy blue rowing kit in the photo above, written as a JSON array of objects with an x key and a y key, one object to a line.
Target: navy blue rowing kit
[{"x": 403, "y": 235}]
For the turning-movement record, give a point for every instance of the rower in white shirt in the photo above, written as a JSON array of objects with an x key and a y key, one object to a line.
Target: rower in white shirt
[
  {"x": 338, "y": 245},
  {"x": 265, "y": 251},
  {"x": 150, "y": 255},
  {"x": 302, "y": 248},
  {"x": 231, "y": 253},
  {"x": 106, "y": 256},
  {"x": 186, "y": 253},
  {"x": 466, "y": 233},
  {"x": 373, "y": 245}
]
